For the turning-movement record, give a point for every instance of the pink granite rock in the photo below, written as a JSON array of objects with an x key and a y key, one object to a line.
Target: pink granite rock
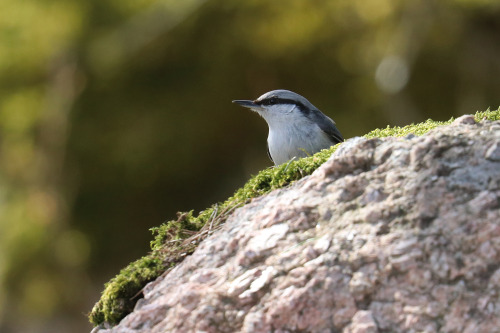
[{"x": 389, "y": 235}]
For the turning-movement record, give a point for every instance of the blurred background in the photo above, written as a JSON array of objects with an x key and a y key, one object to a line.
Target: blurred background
[{"x": 116, "y": 114}]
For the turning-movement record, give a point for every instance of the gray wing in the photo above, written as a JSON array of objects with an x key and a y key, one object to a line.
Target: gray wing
[
  {"x": 269, "y": 153},
  {"x": 327, "y": 125}
]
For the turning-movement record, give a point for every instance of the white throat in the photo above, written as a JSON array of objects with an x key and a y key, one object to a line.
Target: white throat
[{"x": 291, "y": 134}]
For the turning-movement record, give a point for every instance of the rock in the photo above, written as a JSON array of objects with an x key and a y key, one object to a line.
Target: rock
[
  {"x": 466, "y": 119},
  {"x": 389, "y": 235},
  {"x": 362, "y": 322},
  {"x": 493, "y": 152}
]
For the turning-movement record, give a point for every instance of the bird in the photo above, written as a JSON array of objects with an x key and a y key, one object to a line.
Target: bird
[{"x": 296, "y": 127}]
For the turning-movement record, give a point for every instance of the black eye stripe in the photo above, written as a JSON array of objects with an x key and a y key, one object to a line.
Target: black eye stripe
[{"x": 276, "y": 100}]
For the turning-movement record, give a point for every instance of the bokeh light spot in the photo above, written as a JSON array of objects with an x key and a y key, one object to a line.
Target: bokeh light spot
[{"x": 392, "y": 74}]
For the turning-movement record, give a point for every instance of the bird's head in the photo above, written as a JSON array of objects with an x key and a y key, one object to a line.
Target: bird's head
[{"x": 278, "y": 106}]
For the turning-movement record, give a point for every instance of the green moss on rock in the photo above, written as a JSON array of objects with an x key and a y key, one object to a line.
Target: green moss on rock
[
  {"x": 175, "y": 239},
  {"x": 121, "y": 293}
]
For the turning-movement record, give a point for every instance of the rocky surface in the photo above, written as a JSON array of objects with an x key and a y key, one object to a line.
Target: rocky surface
[{"x": 389, "y": 235}]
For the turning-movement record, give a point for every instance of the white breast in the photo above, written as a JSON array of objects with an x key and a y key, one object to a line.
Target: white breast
[{"x": 299, "y": 138}]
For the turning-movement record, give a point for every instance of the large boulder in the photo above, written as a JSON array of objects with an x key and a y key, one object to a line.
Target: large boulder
[{"x": 389, "y": 235}]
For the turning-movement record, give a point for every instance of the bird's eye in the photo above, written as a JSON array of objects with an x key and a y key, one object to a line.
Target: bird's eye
[{"x": 273, "y": 101}]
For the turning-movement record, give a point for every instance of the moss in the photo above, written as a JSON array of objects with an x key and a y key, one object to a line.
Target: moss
[
  {"x": 121, "y": 293},
  {"x": 178, "y": 229},
  {"x": 416, "y": 129},
  {"x": 178, "y": 238},
  {"x": 488, "y": 115}
]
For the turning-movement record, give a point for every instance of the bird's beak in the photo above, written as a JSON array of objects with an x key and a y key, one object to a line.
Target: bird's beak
[{"x": 247, "y": 104}]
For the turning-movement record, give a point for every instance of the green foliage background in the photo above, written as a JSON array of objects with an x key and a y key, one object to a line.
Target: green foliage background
[{"x": 116, "y": 114}]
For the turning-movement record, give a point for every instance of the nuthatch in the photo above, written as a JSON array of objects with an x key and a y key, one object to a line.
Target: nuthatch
[{"x": 296, "y": 127}]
